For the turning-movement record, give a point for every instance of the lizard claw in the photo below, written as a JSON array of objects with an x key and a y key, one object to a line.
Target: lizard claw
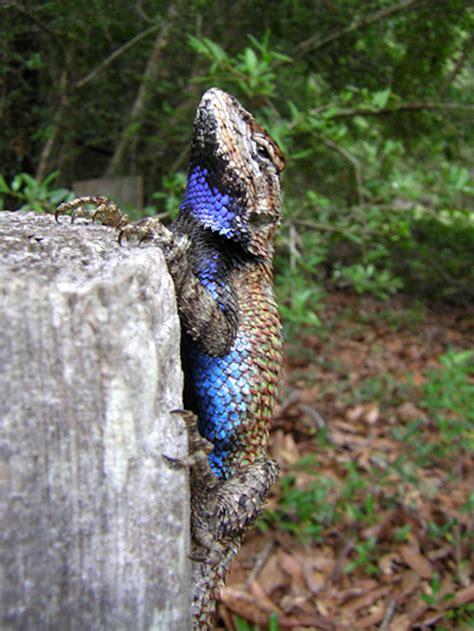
[
  {"x": 147, "y": 229},
  {"x": 177, "y": 463},
  {"x": 103, "y": 210}
]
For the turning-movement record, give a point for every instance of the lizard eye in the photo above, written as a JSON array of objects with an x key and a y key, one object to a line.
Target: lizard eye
[{"x": 263, "y": 152}]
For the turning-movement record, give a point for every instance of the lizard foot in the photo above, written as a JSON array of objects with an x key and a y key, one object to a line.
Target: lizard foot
[
  {"x": 103, "y": 210},
  {"x": 199, "y": 447},
  {"x": 223, "y": 510},
  {"x": 96, "y": 208},
  {"x": 148, "y": 229}
]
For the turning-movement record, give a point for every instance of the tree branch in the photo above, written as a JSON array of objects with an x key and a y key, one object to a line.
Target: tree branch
[
  {"x": 400, "y": 109},
  {"x": 56, "y": 125},
  {"x": 350, "y": 157},
  {"x": 88, "y": 78},
  {"x": 458, "y": 66},
  {"x": 316, "y": 42},
  {"x": 141, "y": 100}
]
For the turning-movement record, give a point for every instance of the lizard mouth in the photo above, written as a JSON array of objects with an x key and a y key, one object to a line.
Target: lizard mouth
[{"x": 261, "y": 220}]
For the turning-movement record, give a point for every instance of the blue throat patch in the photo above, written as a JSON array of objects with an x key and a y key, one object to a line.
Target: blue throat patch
[{"x": 214, "y": 210}]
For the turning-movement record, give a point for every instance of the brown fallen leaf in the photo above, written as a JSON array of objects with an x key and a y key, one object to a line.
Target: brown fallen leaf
[
  {"x": 291, "y": 565},
  {"x": 364, "y": 601},
  {"x": 408, "y": 411},
  {"x": 462, "y": 597},
  {"x": 262, "y": 599},
  {"x": 355, "y": 413},
  {"x": 362, "y": 587},
  {"x": 271, "y": 576},
  {"x": 284, "y": 448},
  {"x": 244, "y": 605},
  {"x": 414, "y": 559},
  {"x": 315, "y": 580},
  {"x": 400, "y": 623},
  {"x": 371, "y": 413},
  {"x": 388, "y": 563},
  {"x": 440, "y": 553},
  {"x": 409, "y": 583},
  {"x": 373, "y": 618}
]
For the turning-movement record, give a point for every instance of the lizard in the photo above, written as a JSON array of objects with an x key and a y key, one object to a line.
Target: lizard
[{"x": 219, "y": 252}]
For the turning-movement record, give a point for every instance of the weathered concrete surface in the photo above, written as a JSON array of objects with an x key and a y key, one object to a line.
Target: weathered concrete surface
[{"x": 94, "y": 530}]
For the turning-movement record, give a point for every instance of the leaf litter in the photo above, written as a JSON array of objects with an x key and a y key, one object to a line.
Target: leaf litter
[{"x": 371, "y": 525}]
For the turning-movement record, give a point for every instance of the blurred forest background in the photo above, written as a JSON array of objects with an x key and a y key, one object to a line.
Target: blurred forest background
[{"x": 372, "y": 102}]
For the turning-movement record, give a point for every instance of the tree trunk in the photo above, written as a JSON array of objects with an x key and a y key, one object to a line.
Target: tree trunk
[
  {"x": 94, "y": 520},
  {"x": 144, "y": 92}
]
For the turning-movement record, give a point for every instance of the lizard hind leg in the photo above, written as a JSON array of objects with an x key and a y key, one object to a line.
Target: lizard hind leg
[{"x": 241, "y": 499}]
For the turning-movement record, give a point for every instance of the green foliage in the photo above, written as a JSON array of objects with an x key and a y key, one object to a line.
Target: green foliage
[
  {"x": 435, "y": 586},
  {"x": 171, "y": 193},
  {"x": 449, "y": 397},
  {"x": 365, "y": 556},
  {"x": 242, "y": 625},
  {"x": 26, "y": 193},
  {"x": 462, "y": 618},
  {"x": 307, "y": 511},
  {"x": 252, "y": 71},
  {"x": 375, "y": 123}
]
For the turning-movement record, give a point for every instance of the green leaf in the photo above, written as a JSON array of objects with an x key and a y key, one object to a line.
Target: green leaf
[
  {"x": 30, "y": 181},
  {"x": 216, "y": 51},
  {"x": 52, "y": 176},
  {"x": 251, "y": 60},
  {"x": 4, "y": 188},
  {"x": 58, "y": 195},
  {"x": 17, "y": 182},
  {"x": 380, "y": 99}
]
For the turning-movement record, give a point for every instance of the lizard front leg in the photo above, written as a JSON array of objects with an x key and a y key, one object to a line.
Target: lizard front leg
[{"x": 202, "y": 318}]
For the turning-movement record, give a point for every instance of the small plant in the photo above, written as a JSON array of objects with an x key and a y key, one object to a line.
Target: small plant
[
  {"x": 171, "y": 194},
  {"x": 298, "y": 304},
  {"x": 368, "y": 279},
  {"x": 462, "y": 617},
  {"x": 449, "y": 397},
  {"x": 305, "y": 511},
  {"x": 252, "y": 71},
  {"x": 365, "y": 555},
  {"x": 401, "y": 534},
  {"x": 242, "y": 625},
  {"x": 32, "y": 194},
  {"x": 435, "y": 586},
  {"x": 439, "y": 532}
]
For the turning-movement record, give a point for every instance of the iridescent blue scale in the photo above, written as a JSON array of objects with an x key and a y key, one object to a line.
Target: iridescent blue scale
[
  {"x": 213, "y": 209},
  {"x": 222, "y": 397}
]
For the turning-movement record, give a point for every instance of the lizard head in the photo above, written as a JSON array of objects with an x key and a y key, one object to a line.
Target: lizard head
[{"x": 234, "y": 174}]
